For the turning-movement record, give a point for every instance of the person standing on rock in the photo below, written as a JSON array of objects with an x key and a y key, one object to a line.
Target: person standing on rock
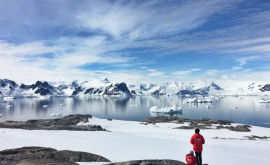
[
  {"x": 197, "y": 140},
  {"x": 190, "y": 158}
]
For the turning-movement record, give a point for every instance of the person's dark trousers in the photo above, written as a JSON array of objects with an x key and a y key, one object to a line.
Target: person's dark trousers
[{"x": 199, "y": 158}]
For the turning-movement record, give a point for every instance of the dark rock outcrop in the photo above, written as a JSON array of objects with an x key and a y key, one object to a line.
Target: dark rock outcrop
[
  {"x": 215, "y": 86},
  {"x": 265, "y": 88},
  {"x": 77, "y": 90},
  {"x": 65, "y": 123},
  {"x": 158, "y": 92},
  {"x": 5, "y": 82},
  {"x": 45, "y": 156},
  {"x": 150, "y": 162},
  {"x": 133, "y": 92},
  {"x": 193, "y": 92},
  {"x": 93, "y": 91},
  {"x": 117, "y": 89},
  {"x": 42, "y": 88},
  {"x": 201, "y": 91},
  {"x": 11, "y": 85},
  {"x": 73, "y": 85},
  {"x": 198, "y": 123},
  {"x": 25, "y": 87},
  {"x": 62, "y": 87},
  {"x": 238, "y": 128}
]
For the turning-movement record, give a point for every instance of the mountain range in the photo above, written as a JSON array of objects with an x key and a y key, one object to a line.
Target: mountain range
[{"x": 106, "y": 88}]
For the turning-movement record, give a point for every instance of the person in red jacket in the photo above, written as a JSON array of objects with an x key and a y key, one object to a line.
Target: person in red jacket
[
  {"x": 197, "y": 140},
  {"x": 190, "y": 158}
]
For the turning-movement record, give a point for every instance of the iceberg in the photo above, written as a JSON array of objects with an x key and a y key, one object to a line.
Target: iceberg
[
  {"x": 45, "y": 106},
  {"x": 56, "y": 115},
  {"x": 208, "y": 107},
  {"x": 190, "y": 100},
  {"x": 204, "y": 100},
  {"x": 166, "y": 110},
  {"x": 9, "y": 106},
  {"x": 8, "y": 98},
  {"x": 264, "y": 101},
  {"x": 198, "y": 100}
]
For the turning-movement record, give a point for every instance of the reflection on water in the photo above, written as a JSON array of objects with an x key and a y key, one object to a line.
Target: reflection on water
[{"x": 246, "y": 110}]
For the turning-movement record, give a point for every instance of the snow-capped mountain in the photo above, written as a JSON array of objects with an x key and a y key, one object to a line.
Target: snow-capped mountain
[
  {"x": 146, "y": 89},
  {"x": 258, "y": 88},
  {"x": 118, "y": 89},
  {"x": 265, "y": 88},
  {"x": 68, "y": 88},
  {"x": 98, "y": 88},
  {"x": 7, "y": 87},
  {"x": 40, "y": 88},
  {"x": 11, "y": 88},
  {"x": 106, "y": 88},
  {"x": 212, "y": 89}
]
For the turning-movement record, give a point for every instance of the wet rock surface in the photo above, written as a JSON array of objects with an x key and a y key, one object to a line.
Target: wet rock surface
[
  {"x": 65, "y": 123},
  {"x": 198, "y": 123},
  {"x": 46, "y": 156},
  {"x": 149, "y": 162}
]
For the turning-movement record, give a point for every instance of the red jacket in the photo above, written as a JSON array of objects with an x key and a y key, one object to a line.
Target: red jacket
[
  {"x": 191, "y": 159},
  {"x": 197, "y": 140}
]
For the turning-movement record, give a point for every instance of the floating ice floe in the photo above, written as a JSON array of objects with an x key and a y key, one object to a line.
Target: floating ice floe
[
  {"x": 9, "y": 106},
  {"x": 56, "y": 115},
  {"x": 204, "y": 100},
  {"x": 234, "y": 107},
  {"x": 264, "y": 101},
  {"x": 208, "y": 107},
  {"x": 166, "y": 110},
  {"x": 45, "y": 106},
  {"x": 198, "y": 100},
  {"x": 62, "y": 104},
  {"x": 190, "y": 100},
  {"x": 8, "y": 98},
  {"x": 1, "y": 115}
]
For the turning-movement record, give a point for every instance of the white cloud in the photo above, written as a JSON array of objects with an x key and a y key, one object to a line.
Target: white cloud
[
  {"x": 254, "y": 49},
  {"x": 236, "y": 67},
  {"x": 25, "y": 49},
  {"x": 248, "y": 42},
  {"x": 19, "y": 61},
  {"x": 157, "y": 26},
  {"x": 211, "y": 72},
  {"x": 149, "y": 18},
  {"x": 185, "y": 72},
  {"x": 243, "y": 61}
]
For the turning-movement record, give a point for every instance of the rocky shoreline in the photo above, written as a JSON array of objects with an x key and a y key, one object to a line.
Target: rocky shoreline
[
  {"x": 65, "y": 123},
  {"x": 198, "y": 123},
  {"x": 70, "y": 122}
]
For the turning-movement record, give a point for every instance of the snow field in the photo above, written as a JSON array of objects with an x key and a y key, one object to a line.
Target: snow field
[{"x": 133, "y": 140}]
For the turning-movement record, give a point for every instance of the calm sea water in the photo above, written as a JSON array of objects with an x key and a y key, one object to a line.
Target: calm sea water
[{"x": 246, "y": 110}]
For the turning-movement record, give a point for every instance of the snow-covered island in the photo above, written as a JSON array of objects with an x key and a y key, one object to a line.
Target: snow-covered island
[{"x": 155, "y": 138}]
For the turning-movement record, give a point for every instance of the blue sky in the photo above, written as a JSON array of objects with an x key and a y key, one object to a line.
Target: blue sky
[{"x": 165, "y": 40}]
